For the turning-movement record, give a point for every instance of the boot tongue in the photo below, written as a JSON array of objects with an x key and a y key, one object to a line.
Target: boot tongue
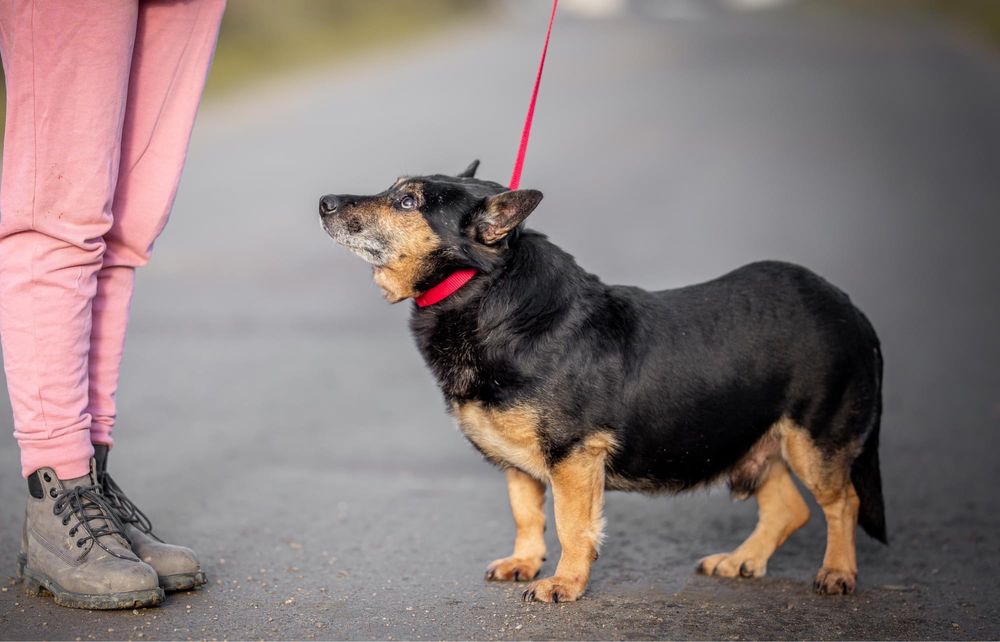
[
  {"x": 90, "y": 509},
  {"x": 87, "y": 480}
]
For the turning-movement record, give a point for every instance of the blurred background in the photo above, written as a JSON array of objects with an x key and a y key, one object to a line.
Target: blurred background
[{"x": 314, "y": 467}]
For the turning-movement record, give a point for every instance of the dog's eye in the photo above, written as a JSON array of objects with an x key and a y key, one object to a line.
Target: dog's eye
[{"x": 407, "y": 202}]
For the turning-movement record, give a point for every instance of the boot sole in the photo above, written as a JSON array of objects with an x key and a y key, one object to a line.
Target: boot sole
[
  {"x": 182, "y": 581},
  {"x": 38, "y": 584}
]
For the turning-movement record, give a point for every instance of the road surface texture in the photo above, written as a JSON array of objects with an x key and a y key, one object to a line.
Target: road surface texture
[{"x": 276, "y": 416}]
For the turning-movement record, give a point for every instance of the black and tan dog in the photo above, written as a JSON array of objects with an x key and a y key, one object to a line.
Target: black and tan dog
[{"x": 566, "y": 382}]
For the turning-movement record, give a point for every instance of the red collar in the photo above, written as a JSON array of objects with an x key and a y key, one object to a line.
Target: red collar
[{"x": 452, "y": 284}]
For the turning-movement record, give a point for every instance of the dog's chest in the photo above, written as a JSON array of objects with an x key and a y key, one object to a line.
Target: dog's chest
[
  {"x": 451, "y": 353},
  {"x": 508, "y": 436}
]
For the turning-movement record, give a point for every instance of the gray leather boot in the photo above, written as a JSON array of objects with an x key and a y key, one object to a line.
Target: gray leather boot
[
  {"x": 177, "y": 566},
  {"x": 73, "y": 547}
]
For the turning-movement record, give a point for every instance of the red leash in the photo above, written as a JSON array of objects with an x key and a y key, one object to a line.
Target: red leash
[
  {"x": 515, "y": 178},
  {"x": 457, "y": 279}
]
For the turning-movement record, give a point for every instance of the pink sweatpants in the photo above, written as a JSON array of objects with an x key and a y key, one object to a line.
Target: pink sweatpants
[{"x": 101, "y": 99}]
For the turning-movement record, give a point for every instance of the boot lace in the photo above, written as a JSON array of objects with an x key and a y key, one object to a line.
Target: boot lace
[
  {"x": 124, "y": 508},
  {"x": 87, "y": 505}
]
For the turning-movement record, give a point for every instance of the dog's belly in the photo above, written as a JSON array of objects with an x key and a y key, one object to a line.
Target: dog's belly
[
  {"x": 743, "y": 475},
  {"x": 671, "y": 446},
  {"x": 507, "y": 437}
]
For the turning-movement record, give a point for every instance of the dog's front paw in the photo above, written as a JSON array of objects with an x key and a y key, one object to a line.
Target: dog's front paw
[
  {"x": 831, "y": 581},
  {"x": 732, "y": 565},
  {"x": 514, "y": 569},
  {"x": 554, "y": 589}
]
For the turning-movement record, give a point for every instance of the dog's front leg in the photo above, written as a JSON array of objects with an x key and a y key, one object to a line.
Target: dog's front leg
[
  {"x": 527, "y": 503},
  {"x": 578, "y": 495}
]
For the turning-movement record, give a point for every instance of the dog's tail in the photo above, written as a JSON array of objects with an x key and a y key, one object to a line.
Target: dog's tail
[{"x": 865, "y": 474}]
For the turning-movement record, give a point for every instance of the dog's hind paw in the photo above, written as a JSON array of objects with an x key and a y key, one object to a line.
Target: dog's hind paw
[
  {"x": 514, "y": 569},
  {"x": 831, "y": 581},
  {"x": 732, "y": 565}
]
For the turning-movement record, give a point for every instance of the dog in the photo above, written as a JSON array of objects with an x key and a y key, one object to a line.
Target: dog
[{"x": 563, "y": 381}]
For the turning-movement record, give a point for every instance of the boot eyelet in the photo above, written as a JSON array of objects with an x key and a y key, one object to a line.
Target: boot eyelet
[
  {"x": 66, "y": 522},
  {"x": 47, "y": 477},
  {"x": 52, "y": 492},
  {"x": 72, "y": 531},
  {"x": 79, "y": 543}
]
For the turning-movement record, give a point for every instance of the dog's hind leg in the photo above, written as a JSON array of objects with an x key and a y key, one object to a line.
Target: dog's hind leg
[
  {"x": 578, "y": 496},
  {"x": 781, "y": 512},
  {"x": 828, "y": 478},
  {"x": 527, "y": 503}
]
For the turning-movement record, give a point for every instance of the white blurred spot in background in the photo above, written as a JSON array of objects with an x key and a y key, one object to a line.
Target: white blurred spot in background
[
  {"x": 594, "y": 8},
  {"x": 680, "y": 10}
]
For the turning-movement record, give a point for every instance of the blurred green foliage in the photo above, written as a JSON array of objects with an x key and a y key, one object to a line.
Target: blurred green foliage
[
  {"x": 264, "y": 37},
  {"x": 983, "y": 15},
  {"x": 979, "y": 16}
]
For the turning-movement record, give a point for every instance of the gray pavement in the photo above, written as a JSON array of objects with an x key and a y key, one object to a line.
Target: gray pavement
[{"x": 275, "y": 414}]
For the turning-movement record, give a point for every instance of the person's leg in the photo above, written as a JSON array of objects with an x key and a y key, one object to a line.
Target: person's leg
[
  {"x": 67, "y": 75},
  {"x": 174, "y": 44},
  {"x": 67, "y": 68}
]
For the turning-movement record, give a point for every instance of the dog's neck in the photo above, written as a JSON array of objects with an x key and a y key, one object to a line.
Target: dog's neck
[
  {"x": 444, "y": 289},
  {"x": 471, "y": 339},
  {"x": 457, "y": 279}
]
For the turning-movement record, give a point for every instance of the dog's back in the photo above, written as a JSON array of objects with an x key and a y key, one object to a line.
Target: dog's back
[{"x": 715, "y": 365}]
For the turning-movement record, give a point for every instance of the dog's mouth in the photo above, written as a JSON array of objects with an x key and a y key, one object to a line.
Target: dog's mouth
[{"x": 370, "y": 249}]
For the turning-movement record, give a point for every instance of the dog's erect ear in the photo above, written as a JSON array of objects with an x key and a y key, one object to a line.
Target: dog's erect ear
[
  {"x": 505, "y": 211},
  {"x": 470, "y": 171}
]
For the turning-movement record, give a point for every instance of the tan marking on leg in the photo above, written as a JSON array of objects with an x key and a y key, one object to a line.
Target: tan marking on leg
[
  {"x": 578, "y": 495},
  {"x": 509, "y": 436},
  {"x": 829, "y": 480},
  {"x": 527, "y": 503},
  {"x": 781, "y": 511}
]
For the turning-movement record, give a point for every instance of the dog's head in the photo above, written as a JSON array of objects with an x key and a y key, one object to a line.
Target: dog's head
[{"x": 422, "y": 228}]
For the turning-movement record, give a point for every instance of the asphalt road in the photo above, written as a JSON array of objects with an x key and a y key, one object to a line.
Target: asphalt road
[{"x": 276, "y": 416}]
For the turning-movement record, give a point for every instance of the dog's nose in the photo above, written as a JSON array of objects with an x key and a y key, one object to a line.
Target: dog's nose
[{"x": 329, "y": 204}]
